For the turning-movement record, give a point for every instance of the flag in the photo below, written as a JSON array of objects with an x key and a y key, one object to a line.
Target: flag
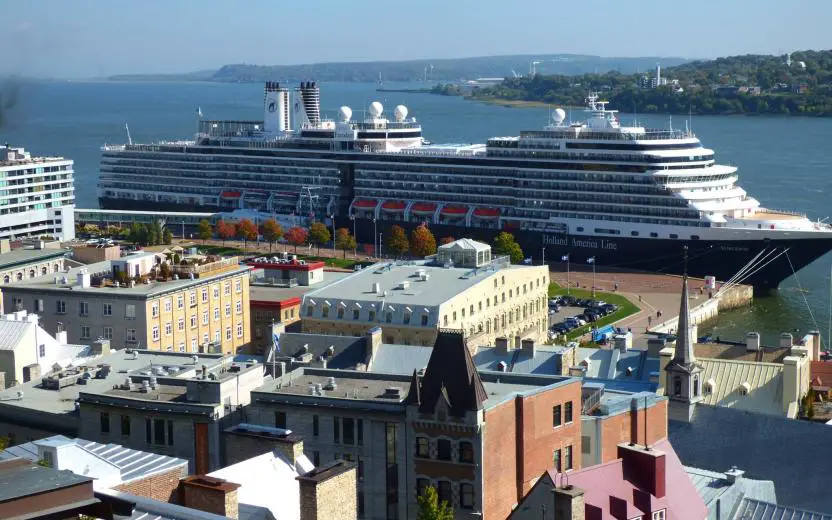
[
  {"x": 276, "y": 341},
  {"x": 590, "y": 260},
  {"x": 564, "y": 258},
  {"x": 527, "y": 261},
  {"x": 199, "y": 111}
]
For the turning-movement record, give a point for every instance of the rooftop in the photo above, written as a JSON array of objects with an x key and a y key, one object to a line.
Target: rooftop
[
  {"x": 149, "y": 509},
  {"x": 751, "y": 509},
  {"x": 271, "y": 293},
  {"x": 21, "y": 257},
  {"x": 13, "y": 332},
  {"x": 740, "y": 352},
  {"x": 716, "y": 487},
  {"x": 13, "y": 156},
  {"x": 725, "y": 379},
  {"x": 20, "y": 478}
]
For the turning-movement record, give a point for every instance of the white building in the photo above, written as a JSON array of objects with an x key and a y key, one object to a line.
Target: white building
[{"x": 36, "y": 195}]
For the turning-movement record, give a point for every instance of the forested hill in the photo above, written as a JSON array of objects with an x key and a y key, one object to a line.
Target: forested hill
[
  {"x": 750, "y": 84},
  {"x": 417, "y": 70}
]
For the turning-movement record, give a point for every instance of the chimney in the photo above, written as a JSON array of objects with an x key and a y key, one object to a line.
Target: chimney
[
  {"x": 61, "y": 337},
  {"x": 528, "y": 346},
  {"x": 209, "y": 494},
  {"x": 752, "y": 341},
  {"x": 502, "y": 345},
  {"x": 654, "y": 346},
  {"x": 100, "y": 347},
  {"x": 815, "y": 347},
  {"x": 734, "y": 475},
  {"x": 83, "y": 279},
  {"x": 328, "y": 492},
  {"x": 569, "y": 503},
  {"x": 793, "y": 382},
  {"x": 786, "y": 340},
  {"x": 373, "y": 342},
  {"x": 665, "y": 355},
  {"x": 644, "y": 467}
]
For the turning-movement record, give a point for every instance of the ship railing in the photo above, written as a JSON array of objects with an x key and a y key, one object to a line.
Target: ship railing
[
  {"x": 774, "y": 211},
  {"x": 433, "y": 152},
  {"x": 647, "y": 135}
]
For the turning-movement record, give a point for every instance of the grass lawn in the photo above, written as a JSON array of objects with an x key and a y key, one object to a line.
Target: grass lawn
[
  {"x": 220, "y": 250},
  {"x": 625, "y": 307},
  {"x": 348, "y": 263},
  {"x": 229, "y": 250}
]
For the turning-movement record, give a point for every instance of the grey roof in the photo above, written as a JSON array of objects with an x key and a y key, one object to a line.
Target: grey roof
[
  {"x": 12, "y": 332},
  {"x": 149, "y": 509},
  {"x": 47, "y": 282},
  {"x": 400, "y": 359},
  {"x": 720, "y": 494},
  {"x": 22, "y": 257},
  {"x": 793, "y": 454},
  {"x": 132, "y": 464},
  {"x": 751, "y": 509},
  {"x": 270, "y": 293},
  {"x": 32, "y": 479},
  {"x": 349, "y": 350}
]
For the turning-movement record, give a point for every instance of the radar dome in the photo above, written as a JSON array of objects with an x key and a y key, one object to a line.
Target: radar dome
[
  {"x": 376, "y": 109},
  {"x": 401, "y": 112},
  {"x": 559, "y": 115},
  {"x": 346, "y": 113}
]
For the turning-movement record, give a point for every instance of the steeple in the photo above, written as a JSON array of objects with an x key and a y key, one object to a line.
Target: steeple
[{"x": 684, "y": 354}]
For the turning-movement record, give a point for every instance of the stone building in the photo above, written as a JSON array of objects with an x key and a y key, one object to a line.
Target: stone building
[
  {"x": 462, "y": 287},
  {"x": 26, "y": 263},
  {"x": 203, "y": 308}
]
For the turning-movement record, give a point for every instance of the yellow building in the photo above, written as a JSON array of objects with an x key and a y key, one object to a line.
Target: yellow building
[
  {"x": 202, "y": 308},
  {"x": 462, "y": 287}
]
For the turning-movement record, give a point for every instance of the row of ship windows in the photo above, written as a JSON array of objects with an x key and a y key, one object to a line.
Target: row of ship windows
[
  {"x": 294, "y": 176},
  {"x": 609, "y": 231},
  {"x": 33, "y": 171},
  {"x": 617, "y": 209},
  {"x": 202, "y": 160},
  {"x": 610, "y": 218},
  {"x": 534, "y": 151},
  {"x": 217, "y": 170}
]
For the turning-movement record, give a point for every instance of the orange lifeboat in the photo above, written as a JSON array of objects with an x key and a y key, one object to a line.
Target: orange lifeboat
[
  {"x": 423, "y": 207},
  {"x": 365, "y": 204},
  {"x": 455, "y": 211},
  {"x": 487, "y": 212},
  {"x": 392, "y": 205}
]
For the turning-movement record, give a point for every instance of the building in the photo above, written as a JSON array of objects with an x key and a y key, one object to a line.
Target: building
[
  {"x": 201, "y": 307},
  {"x": 92, "y": 254},
  {"x": 111, "y": 465},
  {"x": 27, "y": 351},
  {"x": 39, "y": 197},
  {"x": 724, "y": 492},
  {"x": 485, "y": 297},
  {"x": 750, "y": 377},
  {"x": 27, "y": 263},
  {"x": 286, "y": 270},
  {"x": 643, "y": 482},
  {"x": 477, "y": 437}
]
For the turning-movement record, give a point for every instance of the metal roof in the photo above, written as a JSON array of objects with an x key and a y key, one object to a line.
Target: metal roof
[
  {"x": 751, "y": 509},
  {"x": 725, "y": 378},
  {"x": 400, "y": 359},
  {"x": 21, "y": 257},
  {"x": 12, "y": 332},
  {"x": 713, "y": 486}
]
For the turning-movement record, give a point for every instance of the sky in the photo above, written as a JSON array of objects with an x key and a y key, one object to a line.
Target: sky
[{"x": 96, "y": 38}]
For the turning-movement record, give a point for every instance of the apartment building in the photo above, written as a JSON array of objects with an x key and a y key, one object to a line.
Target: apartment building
[
  {"x": 27, "y": 263},
  {"x": 201, "y": 307},
  {"x": 462, "y": 287}
]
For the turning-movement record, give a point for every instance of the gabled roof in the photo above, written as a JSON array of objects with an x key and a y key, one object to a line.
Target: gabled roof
[
  {"x": 450, "y": 372},
  {"x": 13, "y": 332},
  {"x": 465, "y": 243}
]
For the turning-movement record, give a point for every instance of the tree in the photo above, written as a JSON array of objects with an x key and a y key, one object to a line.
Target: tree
[
  {"x": 505, "y": 244},
  {"x": 205, "y": 232},
  {"x": 446, "y": 240},
  {"x": 431, "y": 509},
  {"x": 246, "y": 230},
  {"x": 296, "y": 236},
  {"x": 422, "y": 242},
  {"x": 319, "y": 234},
  {"x": 396, "y": 241},
  {"x": 271, "y": 231},
  {"x": 137, "y": 234},
  {"x": 344, "y": 241},
  {"x": 225, "y": 230},
  {"x": 167, "y": 237},
  {"x": 165, "y": 271}
]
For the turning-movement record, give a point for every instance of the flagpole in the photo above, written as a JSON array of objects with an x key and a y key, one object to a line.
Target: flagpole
[
  {"x": 567, "y": 275},
  {"x": 593, "y": 277}
]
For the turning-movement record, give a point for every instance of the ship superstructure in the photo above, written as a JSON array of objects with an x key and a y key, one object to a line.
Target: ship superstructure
[{"x": 631, "y": 194}]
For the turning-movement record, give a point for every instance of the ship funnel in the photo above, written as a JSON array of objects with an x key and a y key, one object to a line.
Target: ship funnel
[
  {"x": 276, "y": 108},
  {"x": 310, "y": 97}
]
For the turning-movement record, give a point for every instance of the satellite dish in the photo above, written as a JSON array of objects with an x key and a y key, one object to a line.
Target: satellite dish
[
  {"x": 376, "y": 109},
  {"x": 401, "y": 112},
  {"x": 558, "y": 116},
  {"x": 346, "y": 113}
]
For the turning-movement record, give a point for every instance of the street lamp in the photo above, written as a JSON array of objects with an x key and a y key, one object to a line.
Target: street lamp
[
  {"x": 332, "y": 219},
  {"x": 375, "y": 236},
  {"x": 354, "y": 249}
]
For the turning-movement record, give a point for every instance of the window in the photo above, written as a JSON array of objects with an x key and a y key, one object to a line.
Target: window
[
  {"x": 674, "y": 235},
  {"x": 180, "y": 325},
  {"x": 238, "y": 286},
  {"x": 466, "y": 451},
  {"x": 336, "y": 430},
  {"x": 445, "y": 320},
  {"x": 316, "y": 458},
  {"x": 280, "y": 420},
  {"x": 205, "y": 296},
  {"x": 104, "y": 418},
  {"x": 159, "y": 431},
  {"x": 556, "y": 460},
  {"x": 444, "y": 492},
  {"x": 60, "y": 307},
  {"x": 228, "y": 333},
  {"x": 85, "y": 332},
  {"x": 634, "y": 233},
  {"x": 659, "y": 515},
  {"x": 216, "y": 314},
  {"x": 193, "y": 321},
  {"x": 406, "y": 319},
  {"x": 443, "y": 449},
  {"x": 677, "y": 386},
  {"x": 155, "y": 334},
  {"x": 424, "y": 320},
  {"x": 168, "y": 328},
  {"x": 586, "y": 445},
  {"x": 193, "y": 344},
  {"x": 192, "y": 298},
  {"x": 47, "y": 455},
  {"x": 557, "y": 419},
  {"x": 227, "y": 310},
  {"x": 654, "y": 235},
  {"x": 422, "y": 447},
  {"x": 205, "y": 317},
  {"x": 567, "y": 458},
  {"x": 130, "y": 335},
  {"x": 341, "y": 312},
  {"x": 315, "y": 426},
  {"x": 567, "y": 412},
  {"x": 130, "y": 311},
  {"x": 38, "y": 305},
  {"x": 125, "y": 425},
  {"x": 325, "y": 311},
  {"x": 389, "y": 317},
  {"x": 310, "y": 309},
  {"x": 349, "y": 430},
  {"x": 466, "y": 496},
  {"x": 226, "y": 289},
  {"x": 238, "y": 308},
  {"x": 360, "y": 468},
  {"x": 372, "y": 315},
  {"x": 41, "y": 350},
  {"x": 154, "y": 310},
  {"x": 215, "y": 291},
  {"x": 182, "y": 346},
  {"x": 239, "y": 330},
  {"x": 108, "y": 333},
  {"x": 695, "y": 386},
  {"x": 355, "y": 314}
]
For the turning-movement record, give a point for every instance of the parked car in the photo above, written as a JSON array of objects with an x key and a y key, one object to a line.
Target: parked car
[{"x": 580, "y": 319}]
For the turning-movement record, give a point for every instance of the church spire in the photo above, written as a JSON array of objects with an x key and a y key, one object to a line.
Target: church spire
[{"x": 685, "y": 341}]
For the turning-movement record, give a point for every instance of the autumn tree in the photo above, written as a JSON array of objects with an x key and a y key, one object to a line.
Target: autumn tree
[
  {"x": 396, "y": 241},
  {"x": 271, "y": 231},
  {"x": 319, "y": 234},
  {"x": 296, "y": 236},
  {"x": 422, "y": 242},
  {"x": 344, "y": 241},
  {"x": 505, "y": 244},
  {"x": 205, "y": 232},
  {"x": 225, "y": 230},
  {"x": 246, "y": 230},
  {"x": 446, "y": 240},
  {"x": 430, "y": 508}
]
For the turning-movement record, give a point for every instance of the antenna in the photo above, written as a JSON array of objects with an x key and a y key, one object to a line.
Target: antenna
[{"x": 129, "y": 139}]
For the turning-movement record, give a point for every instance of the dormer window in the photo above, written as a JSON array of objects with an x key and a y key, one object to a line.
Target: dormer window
[
  {"x": 745, "y": 388},
  {"x": 710, "y": 386},
  {"x": 659, "y": 515}
]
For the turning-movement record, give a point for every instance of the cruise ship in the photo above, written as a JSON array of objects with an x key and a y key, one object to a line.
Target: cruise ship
[{"x": 596, "y": 190}]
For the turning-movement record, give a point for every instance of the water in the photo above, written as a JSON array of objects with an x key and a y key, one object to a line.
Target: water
[{"x": 783, "y": 162}]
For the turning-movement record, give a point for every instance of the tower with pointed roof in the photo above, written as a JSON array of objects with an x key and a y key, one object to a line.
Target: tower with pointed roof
[{"x": 684, "y": 373}]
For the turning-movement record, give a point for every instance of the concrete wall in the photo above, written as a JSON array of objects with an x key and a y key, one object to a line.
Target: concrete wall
[
  {"x": 13, "y": 361},
  {"x": 735, "y": 297},
  {"x": 699, "y": 313},
  {"x": 91, "y": 255}
]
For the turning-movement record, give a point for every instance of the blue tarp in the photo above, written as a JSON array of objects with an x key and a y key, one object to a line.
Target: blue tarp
[{"x": 604, "y": 332}]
